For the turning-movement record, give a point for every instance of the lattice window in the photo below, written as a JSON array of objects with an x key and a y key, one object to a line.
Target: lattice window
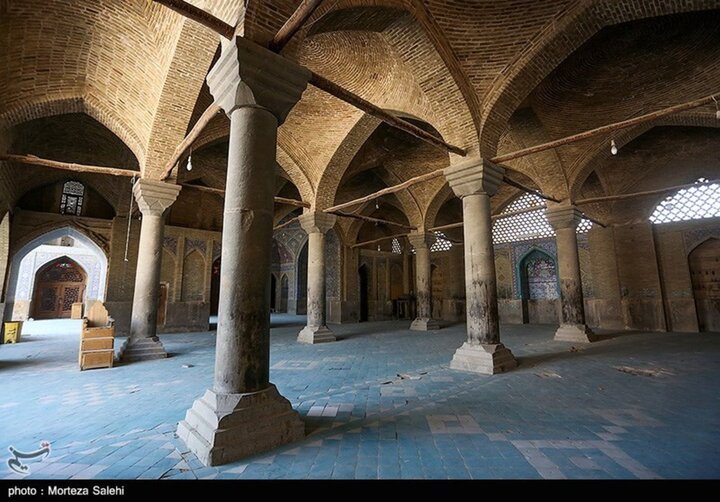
[
  {"x": 441, "y": 243},
  {"x": 73, "y": 195},
  {"x": 396, "y": 247},
  {"x": 527, "y": 225},
  {"x": 693, "y": 203}
]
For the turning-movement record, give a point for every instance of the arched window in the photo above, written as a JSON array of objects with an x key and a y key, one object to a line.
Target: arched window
[
  {"x": 72, "y": 198},
  {"x": 525, "y": 223},
  {"x": 692, "y": 203}
]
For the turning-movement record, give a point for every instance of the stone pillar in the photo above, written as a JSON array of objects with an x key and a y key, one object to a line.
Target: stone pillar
[
  {"x": 423, "y": 288},
  {"x": 316, "y": 225},
  {"x": 406, "y": 271},
  {"x": 243, "y": 413},
  {"x": 475, "y": 183},
  {"x": 564, "y": 220},
  {"x": 153, "y": 198}
]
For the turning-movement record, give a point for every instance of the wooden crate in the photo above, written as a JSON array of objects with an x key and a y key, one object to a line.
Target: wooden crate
[
  {"x": 90, "y": 359},
  {"x": 97, "y": 339}
]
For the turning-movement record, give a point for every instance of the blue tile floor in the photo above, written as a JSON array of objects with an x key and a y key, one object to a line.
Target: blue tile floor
[{"x": 382, "y": 403}]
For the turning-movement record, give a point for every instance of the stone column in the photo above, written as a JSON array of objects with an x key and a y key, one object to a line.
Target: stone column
[
  {"x": 423, "y": 288},
  {"x": 153, "y": 198},
  {"x": 406, "y": 271},
  {"x": 243, "y": 413},
  {"x": 564, "y": 219},
  {"x": 316, "y": 225},
  {"x": 475, "y": 183}
]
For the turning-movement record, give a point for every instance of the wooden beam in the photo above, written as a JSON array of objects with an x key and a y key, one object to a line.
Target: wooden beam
[
  {"x": 221, "y": 192},
  {"x": 200, "y": 16},
  {"x": 372, "y": 220},
  {"x": 388, "y": 190},
  {"x": 287, "y": 223},
  {"x": 68, "y": 166},
  {"x": 446, "y": 227},
  {"x": 292, "y": 202},
  {"x": 622, "y": 196},
  {"x": 527, "y": 189},
  {"x": 187, "y": 142},
  {"x": 606, "y": 129},
  {"x": 375, "y": 241},
  {"x": 318, "y": 81},
  {"x": 353, "y": 99},
  {"x": 293, "y": 24}
]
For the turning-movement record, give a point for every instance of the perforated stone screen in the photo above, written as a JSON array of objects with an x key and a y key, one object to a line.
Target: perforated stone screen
[
  {"x": 527, "y": 225},
  {"x": 693, "y": 203},
  {"x": 396, "y": 247},
  {"x": 441, "y": 243}
]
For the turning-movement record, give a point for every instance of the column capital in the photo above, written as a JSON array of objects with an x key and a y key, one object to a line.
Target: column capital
[
  {"x": 422, "y": 239},
  {"x": 317, "y": 222},
  {"x": 563, "y": 216},
  {"x": 473, "y": 176},
  {"x": 249, "y": 75},
  {"x": 154, "y": 197}
]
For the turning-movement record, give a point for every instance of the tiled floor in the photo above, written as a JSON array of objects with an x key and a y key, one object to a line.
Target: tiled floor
[{"x": 382, "y": 403}]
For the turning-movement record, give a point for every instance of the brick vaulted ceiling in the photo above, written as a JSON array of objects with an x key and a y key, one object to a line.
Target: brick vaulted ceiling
[{"x": 489, "y": 76}]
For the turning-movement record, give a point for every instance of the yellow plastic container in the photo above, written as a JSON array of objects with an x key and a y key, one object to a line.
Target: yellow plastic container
[{"x": 12, "y": 332}]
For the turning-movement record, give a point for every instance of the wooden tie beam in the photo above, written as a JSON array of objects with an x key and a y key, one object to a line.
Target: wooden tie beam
[
  {"x": 623, "y": 196},
  {"x": 372, "y": 220},
  {"x": 193, "y": 135},
  {"x": 606, "y": 129},
  {"x": 221, "y": 192},
  {"x": 68, "y": 166},
  {"x": 293, "y": 24}
]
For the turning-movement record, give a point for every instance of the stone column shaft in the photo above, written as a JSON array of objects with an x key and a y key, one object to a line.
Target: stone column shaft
[
  {"x": 474, "y": 183},
  {"x": 316, "y": 225},
  {"x": 153, "y": 198},
  {"x": 423, "y": 287},
  {"x": 243, "y": 413},
  {"x": 565, "y": 219},
  {"x": 242, "y": 360},
  {"x": 406, "y": 272}
]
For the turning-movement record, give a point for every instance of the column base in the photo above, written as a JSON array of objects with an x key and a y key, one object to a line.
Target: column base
[
  {"x": 576, "y": 333},
  {"x": 487, "y": 359},
  {"x": 223, "y": 428},
  {"x": 316, "y": 334},
  {"x": 424, "y": 324},
  {"x": 142, "y": 349}
]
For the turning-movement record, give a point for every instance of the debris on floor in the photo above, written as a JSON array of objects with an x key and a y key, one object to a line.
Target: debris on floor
[
  {"x": 188, "y": 365},
  {"x": 407, "y": 376},
  {"x": 650, "y": 372}
]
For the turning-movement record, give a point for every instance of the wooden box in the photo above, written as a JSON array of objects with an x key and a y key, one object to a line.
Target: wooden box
[
  {"x": 97, "y": 339},
  {"x": 76, "y": 311}
]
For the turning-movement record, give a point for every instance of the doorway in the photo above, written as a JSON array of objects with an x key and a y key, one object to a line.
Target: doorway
[
  {"x": 58, "y": 285},
  {"x": 284, "y": 288},
  {"x": 215, "y": 287},
  {"x": 704, "y": 263},
  {"x": 273, "y": 293},
  {"x": 363, "y": 293}
]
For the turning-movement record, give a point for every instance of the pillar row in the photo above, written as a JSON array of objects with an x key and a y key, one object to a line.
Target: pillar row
[
  {"x": 243, "y": 413},
  {"x": 475, "y": 183},
  {"x": 316, "y": 225},
  {"x": 153, "y": 198},
  {"x": 564, "y": 219},
  {"x": 422, "y": 241}
]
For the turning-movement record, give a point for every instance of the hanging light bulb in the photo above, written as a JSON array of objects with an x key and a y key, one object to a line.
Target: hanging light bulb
[
  {"x": 378, "y": 247},
  {"x": 717, "y": 108},
  {"x": 613, "y": 147},
  {"x": 189, "y": 162},
  {"x": 377, "y": 204}
]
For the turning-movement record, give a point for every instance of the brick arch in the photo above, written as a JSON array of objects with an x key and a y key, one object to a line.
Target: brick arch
[
  {"x": 562, "y": 36},
  {"x": 594, "y": 156},
  {"x": 353, "y": 229},
  {"x": 48, "y": 106},
  {"x": 440, "y": 197}
]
